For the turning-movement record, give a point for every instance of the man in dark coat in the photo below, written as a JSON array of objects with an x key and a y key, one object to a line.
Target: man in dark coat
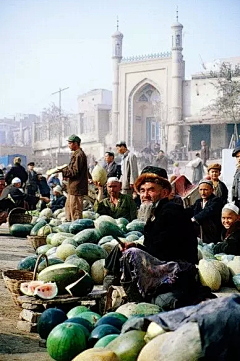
[
  {"x": 18, "y": 171},
  {"x": 77, "y": 174},
  {"x": 43, "y": 189},
  {"x": 206, "y": 213},
  {"x": 236, "y": 179},
  {"x": 32, "y": 186},
  {"x": 112, "y": 168},
  {"x": 59, "y": 199}
]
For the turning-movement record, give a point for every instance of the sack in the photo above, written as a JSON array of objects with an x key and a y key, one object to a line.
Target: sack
[{"x": 116, "y": 297}]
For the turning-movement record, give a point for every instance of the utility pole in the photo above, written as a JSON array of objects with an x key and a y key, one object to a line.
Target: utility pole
[{"x": 60, "y": 113}]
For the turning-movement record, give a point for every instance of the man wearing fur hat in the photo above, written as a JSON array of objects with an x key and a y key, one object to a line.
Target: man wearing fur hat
[
  {"x": 219, "y": 188},
  {"x": 236, "y": 179}
]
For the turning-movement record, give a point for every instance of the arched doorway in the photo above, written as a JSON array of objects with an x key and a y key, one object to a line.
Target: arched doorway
[{"x": 144, "y": 122}]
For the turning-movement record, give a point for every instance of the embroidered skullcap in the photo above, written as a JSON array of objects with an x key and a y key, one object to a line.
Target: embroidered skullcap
[
  {"x": 112, "y": 179},
  {"x": 214, "y": 166},
  {"x": 206, "y": 181},
  {"x": 16, "y": 180},
  {"x": 231, "y": 206}
]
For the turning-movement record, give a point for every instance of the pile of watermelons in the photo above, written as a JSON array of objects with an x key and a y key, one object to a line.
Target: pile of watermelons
[{"x": 77, "y": 250}]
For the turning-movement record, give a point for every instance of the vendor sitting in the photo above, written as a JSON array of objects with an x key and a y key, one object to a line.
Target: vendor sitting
[
  {"x": 231, "y": 232},
  {"x": 59, "y": 199},
  {"x": 116, "y": 204},
  {"x": 19, "y": 198},
  {"x": 165, "y": 262}
]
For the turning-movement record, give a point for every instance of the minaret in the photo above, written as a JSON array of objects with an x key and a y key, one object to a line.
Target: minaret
[
  {"x": 116, "y": 58},
  {"x": 177, "y": 79}
]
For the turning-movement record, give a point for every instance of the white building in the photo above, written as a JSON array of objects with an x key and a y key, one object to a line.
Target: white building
[{"x": 151, "y": 102}]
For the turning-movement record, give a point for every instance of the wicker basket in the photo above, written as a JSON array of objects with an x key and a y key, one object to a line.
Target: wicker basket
[
  {"x": 19, "y": 215},
  {"x": 37, "y": 241},
  {"x": 13, "y": 279}
]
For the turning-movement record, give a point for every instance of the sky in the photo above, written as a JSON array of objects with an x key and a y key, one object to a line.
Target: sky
[{"x": 50, "y": 44}]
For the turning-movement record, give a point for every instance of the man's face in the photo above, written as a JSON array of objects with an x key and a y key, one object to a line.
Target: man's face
[
  {"x": 108, "y": 158},
  {"x": 238, "y": 159},
  {"x": 73, "y": 145},
  {"x": 56, "y": 194},
  {"x": 121, "y": 150},
  {"x": 30, "y": 167},
  {"x": 205, "y": 190},
  {"x": 113, "y": 189},
  {"x": 228, "y": 218},
  {"x": 152, "y": 192},
  {"x": 214, "y": 174},
  {"x": 39, "y": 176},
  {"x": 17, "y": 185}
]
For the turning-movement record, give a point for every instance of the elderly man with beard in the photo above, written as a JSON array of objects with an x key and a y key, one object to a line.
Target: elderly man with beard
[{"x": 165, "y": 263}]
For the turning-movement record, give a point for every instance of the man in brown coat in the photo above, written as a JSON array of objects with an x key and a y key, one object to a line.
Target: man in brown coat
[{"x": 77, "y": 174}]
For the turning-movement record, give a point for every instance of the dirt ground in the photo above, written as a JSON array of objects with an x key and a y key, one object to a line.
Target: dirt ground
[{"x": 14, "y": 344}]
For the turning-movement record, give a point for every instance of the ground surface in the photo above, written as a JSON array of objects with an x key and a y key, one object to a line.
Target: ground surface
[{"x": 14, "y": 344}]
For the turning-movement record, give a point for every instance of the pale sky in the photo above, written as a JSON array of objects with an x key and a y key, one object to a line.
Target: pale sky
[{"x": 50, "y": 44}]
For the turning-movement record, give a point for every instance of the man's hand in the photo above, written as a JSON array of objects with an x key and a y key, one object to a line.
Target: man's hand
[
  {"x": 45, "y": 199},
  {"x": 125, "y": 246}
]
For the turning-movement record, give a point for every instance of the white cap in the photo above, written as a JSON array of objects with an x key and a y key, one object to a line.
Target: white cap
[
  {"x": 231, "y": 206},
  {"x": 57, "y": 189},
  {"x": 112, "y": 179},
  {"x": 16, "y": 180}
]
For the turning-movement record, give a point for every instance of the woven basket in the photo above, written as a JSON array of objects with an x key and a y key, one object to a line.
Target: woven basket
[
  {"x": 13, "y": 279},
  {"x": 19, "y": 215},
  {"x": 37, "y": 241}
]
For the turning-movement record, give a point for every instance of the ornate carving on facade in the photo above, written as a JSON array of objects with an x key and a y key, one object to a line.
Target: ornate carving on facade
[{"x": 147, "y": 57}]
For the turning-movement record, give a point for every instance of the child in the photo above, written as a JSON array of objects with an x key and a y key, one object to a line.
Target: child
[
  {"x": 176, "y": 169},
  {"x": 219, "y": 188},
  {"x": 231, "y": 233}
]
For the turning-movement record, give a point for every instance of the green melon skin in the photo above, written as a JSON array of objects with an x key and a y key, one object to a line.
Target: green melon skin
[
  {"x": 66, "y": 341},
  {"x": 27, "y": 264},
  {"x": 43, "y": 249},
  {"x": 63, "y": 274},
  {"x": 111, "y": 320},
  {"x": 37, "y": 226},
  {"x": 82, "y": 287},
  {"x": 79, "y": 262},
  {"x": 81, "y": 321},
  {"x": 49, "y": 319},
  {"x": 117, "y": 315},
  {"x": 92, "y": 317},
  {"x": 105, "y": 239},
  {"x": 91, "y": 252},
  {"x": 64, "y": 227},
  {"x": 136, "y": 225},
  {"x": 89, "y": 235},
  {"x": 51, "y": 262},
  {"x": 100, "y": 331},
  {"x": 80, "y": 224},
  {"x": 127, "y": 346},
  {"x": 76, "y": 311},
  {"x": 110, "y": 229},
  {"x": 20, "y": 230},
  {"x": 105, "y": 340}
]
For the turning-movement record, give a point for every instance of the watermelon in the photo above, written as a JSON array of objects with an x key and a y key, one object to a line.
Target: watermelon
[
  {"x": 97, "y": 271},
  {"x": 91, "y": 252},
  {"x": 100, "y": 331},
  {"x": 136, "y": 225},
  {"x": 51, "y": 261},
  {"x": 90, "y": 316},
  {"x": 82, "y": 286},
  {"x": 80, "y": 224},
  {"x": 96, "y": 354},
  {"x": 66, "y": 341},
  {"x": 63, "y": 274},
  {"x": 104, "y": 218},
  {"x": 70, "y": 241},
  {"x": 37, "y": 226},
  {"x": 105, "y": 340},
  {"x": 45, "y": 230},
  {"x": 43, "y": 249},
  {"x": 58, "y": 238},
  {"x": 89, "y": 235},
  {"x": 28, "y": 288},
  {"x": 99, "y": 174},
  {"x": 81, "y": 321},
  {"x": 75, "y": 311},
  {"x": 109, "y": 229},
  {"x": 64, "y": 227},
  {"x": 46, "y": 291},
  {"x": 128, "y": 345},
  {"x": 118, "y": 315},
  {"x": 79, "y": 262},
  {"x": 48, "y": 320},
  {"x": 55, "y": 222},
  {"x": 65, "y": 250},
  {"x": 46, "y": 212},
  {"x": 105, "y": 239},
  {"x": 111, "y": 320},
  {"x": 20, "y": 230},
  {"x": 27, "y": 264}
]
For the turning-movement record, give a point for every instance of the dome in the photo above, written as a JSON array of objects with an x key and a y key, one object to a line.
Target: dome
[
  {"x": 177, "y": 25},
  {"x": 117, "y": 34}
]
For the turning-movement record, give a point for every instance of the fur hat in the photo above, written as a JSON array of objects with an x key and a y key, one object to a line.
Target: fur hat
[
  {"x": 153, "y": 178},
  {"x": 214, "y": 166},
  {"x": 155, "y": 170}
]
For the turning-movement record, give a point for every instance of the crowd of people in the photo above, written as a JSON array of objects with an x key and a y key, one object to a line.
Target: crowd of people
[{"x": 163, "y": 269}]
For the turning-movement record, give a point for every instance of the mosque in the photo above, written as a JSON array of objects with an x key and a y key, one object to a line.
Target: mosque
[{"x": 151, "y": 103}]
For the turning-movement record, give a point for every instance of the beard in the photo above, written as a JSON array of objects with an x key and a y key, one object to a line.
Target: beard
[{"x": 144, "y": 211}]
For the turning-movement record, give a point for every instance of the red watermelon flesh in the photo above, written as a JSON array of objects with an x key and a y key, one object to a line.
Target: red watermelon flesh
[
  {"x": 28, "y": 288},
  {"x": 46, "y": 291}
]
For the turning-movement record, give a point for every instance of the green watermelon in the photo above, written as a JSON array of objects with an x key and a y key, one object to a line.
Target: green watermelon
[
  {"x": 92, "y": 317},
  {"x": 100, "y": 331},
  {"x": 36, "y": 228},
  {"x": 43, "y": 249},
  {"x": 80, "y": 224},
  {"x": 66, "y": 341},
  {"x": 104, "y": 218},
  {"x": 91, "y": 252},
  {"x": 105, "y": 340},
  {"x": 109, "y": 229},
  {"x": 79, "y": 262},
  {"x": 136, "y": 225},
  {"x": 105, "y": 239},
  {"x": 27, "y": 264},
  {"x": 111, "y": 320},
  {"x": 89, "y": 235},
  {"x": 77, "y": 310},
  {"x": 51, "y": 262},
  {"x": 64, "y": 227},
  {"x": 81, "y": 321},
  {"x": 20, "y": 230},
  {"x": 58, "y": 238},
  {"x": 128, "y": 345},
  {"x": 49, "y": 319}
]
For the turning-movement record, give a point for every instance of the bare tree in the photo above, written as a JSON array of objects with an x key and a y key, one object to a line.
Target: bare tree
[{"x": 227, "y": 84}]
